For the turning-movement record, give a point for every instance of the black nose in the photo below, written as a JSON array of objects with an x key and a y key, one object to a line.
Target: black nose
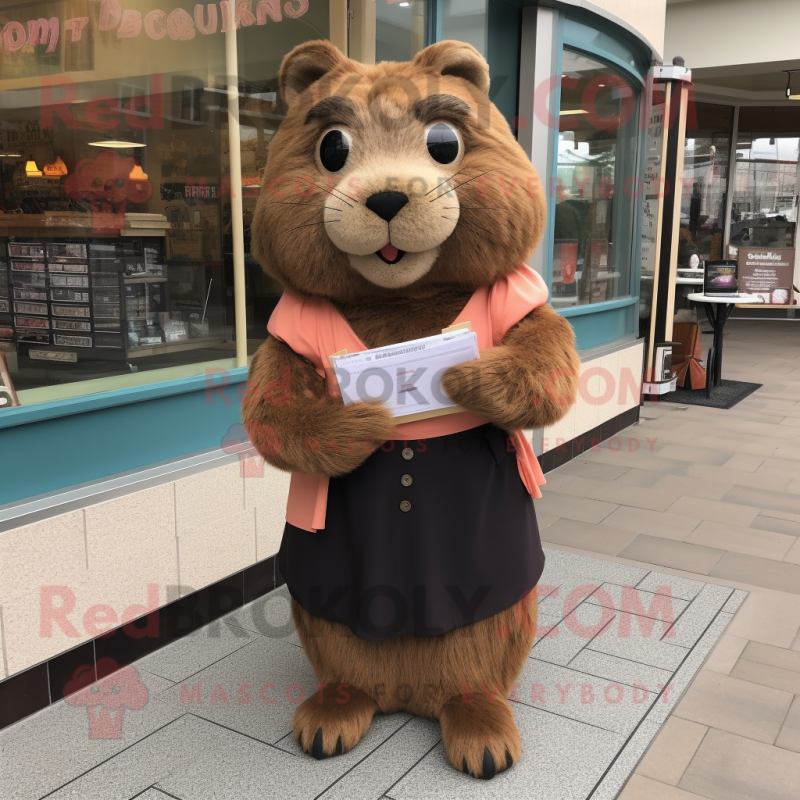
[{"x": 386, "y": 205}]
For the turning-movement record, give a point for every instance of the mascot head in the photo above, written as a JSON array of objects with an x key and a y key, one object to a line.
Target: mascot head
[{"x": 399, "y": 178}]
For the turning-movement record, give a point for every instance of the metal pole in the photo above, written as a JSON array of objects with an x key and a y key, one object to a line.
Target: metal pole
[{"x": 235, "y": 166}]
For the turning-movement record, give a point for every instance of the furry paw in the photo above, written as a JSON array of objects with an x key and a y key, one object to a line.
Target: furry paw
[
  {"x": 333, "y": 721},
  {"x": 355, "y": 431},
  {"x": 479, "y": 734},
  {"x": 485, "y": 385}
]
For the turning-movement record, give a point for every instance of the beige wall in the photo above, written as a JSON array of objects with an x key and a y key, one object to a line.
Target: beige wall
[
  {"x": 179, "y": 537},
  {"x": 718, "y": 33},
  {"x": 606, "y": 390},
  {"x": 646, "y": 16}
]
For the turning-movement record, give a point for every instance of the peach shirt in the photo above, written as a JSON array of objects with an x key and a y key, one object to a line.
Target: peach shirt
[{"x": 314, "y": 329}]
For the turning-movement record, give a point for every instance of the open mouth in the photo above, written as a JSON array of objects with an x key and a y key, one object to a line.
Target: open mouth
[{"x": 389, "y": 254}]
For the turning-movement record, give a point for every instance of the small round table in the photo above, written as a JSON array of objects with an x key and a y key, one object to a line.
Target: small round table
[{"x": 718, "y": 310}]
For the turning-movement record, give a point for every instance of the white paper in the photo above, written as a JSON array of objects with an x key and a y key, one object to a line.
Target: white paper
[{"x": 406, "y": 377}]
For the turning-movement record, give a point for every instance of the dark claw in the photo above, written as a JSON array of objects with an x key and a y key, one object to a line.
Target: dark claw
[
  {"x": 300, "y": 741},
  {"x": 464, "y": 767},
  {"x": 338, "y": 750},
  {"x": 509, "y": 760},
  {"x": 316, "y": 747},
  {"x": 488, "y": 765}
]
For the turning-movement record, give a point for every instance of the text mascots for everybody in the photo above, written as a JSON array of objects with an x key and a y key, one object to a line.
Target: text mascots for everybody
[{"x": 395, "y": 203}]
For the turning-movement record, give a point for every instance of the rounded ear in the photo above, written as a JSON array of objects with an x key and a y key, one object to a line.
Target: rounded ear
[
  {"x": 456, "y": 58},
  {"x": 305, "y": 65}
]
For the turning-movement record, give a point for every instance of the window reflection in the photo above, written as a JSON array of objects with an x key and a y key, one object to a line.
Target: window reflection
[{"x": 595, "y": 184}]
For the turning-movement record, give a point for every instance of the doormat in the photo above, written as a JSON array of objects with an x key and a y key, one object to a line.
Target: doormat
[{"x": 726, "y": 395}]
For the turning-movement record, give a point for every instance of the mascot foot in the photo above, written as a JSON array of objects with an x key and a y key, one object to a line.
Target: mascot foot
[
  {"x": 479, "y": 734},
  {"x": 333, "y": 720}
]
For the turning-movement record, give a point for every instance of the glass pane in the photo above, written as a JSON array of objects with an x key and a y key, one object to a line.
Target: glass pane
[
  {"x": 705, "y": 180},
  {"x": 595, "y": 183},
  {"x": 400, "y": 29},
  {"x": 261, "y": 50},
  {"x": 115, "y": 185},
  {"x": 465, "y": 20},
  {"x": 765, "y": 188}
]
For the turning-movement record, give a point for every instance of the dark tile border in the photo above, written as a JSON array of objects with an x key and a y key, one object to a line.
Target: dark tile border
[
  {"x": 34, "y": 689},
  {"x": 563, "y": 453}
]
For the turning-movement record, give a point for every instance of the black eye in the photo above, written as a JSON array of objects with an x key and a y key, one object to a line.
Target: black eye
[
  {"x": 443, "y": 143},
  {"x": 333, "y": 150}
]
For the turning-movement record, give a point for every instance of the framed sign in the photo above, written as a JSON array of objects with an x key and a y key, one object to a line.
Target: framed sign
[{"x": 768, "y": 273}]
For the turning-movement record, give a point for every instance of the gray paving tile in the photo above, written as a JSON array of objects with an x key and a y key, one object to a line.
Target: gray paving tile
[
  {"x": 559, "y": 646},
  {"x": 653, "y": 523},
  {"x": 48, "y": 749},
  {"x": 620, "y": 670},
  {"x": 241, "y": 768},
  {"x": 571, "y": 570},
  {"x": 151, "y": 794},
  {"x": 677, "y": 555},
  {"x": 639, "y": 477},
  {"x": 268, "y": 670},
  {"x": 690, "y": 626},
  {"x": 637, "y": 601},
  {"x": 738, "y": 706},
  {"x": 764, "y": 498},
  {"x": 635, "y": 747},
  {"x": 787, "y": 526},
  {"x": 546, "y": 770},
  {"x": 387, "y": 764},
  {"x": 195, "y": 652},
  {"x": 684, "y": 588},
  {"x": 765, "y": 572},
  {"x": 582, "y": 509},
  {"x": 730, "y": 767},
  {"x": 171, "y": 748},
  {"x": 625, "y": 638},
  {"x": 734, "y": 601},
  {"x": 270, "y": 616},
  {"x": 590, "y": 469},
  {"x": 567, "y": 692}
]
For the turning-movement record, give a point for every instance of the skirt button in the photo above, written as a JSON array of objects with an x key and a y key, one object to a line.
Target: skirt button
[
  {"x": 406, "y": 480},
  {"x": 408, "y": 454},
  {"x": 405, "y": 506}
]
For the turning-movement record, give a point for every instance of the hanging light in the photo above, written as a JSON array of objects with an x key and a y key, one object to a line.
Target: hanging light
[
  {"x": 116, "y": 144},
  {"x": 55, "y": 170},
  {"x": 31, "y": 168},
  {"x": 789, "y": 94},
  {"x": 137, "y": 173}
]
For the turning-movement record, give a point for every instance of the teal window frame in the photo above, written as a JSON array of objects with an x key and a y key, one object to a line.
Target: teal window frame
[{"x": 600, "y": 323}]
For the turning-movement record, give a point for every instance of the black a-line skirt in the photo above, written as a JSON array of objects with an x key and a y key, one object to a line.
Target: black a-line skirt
[{"x": 424, "y": 537}]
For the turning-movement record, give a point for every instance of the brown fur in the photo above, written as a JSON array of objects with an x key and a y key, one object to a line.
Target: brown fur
[
  {"x": 461, "y": 678},
  {"x": 528, "y": 380}
]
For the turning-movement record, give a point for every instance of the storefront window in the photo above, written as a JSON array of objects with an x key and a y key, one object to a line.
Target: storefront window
[
  {"x": 466, "y": 21},
  {"x": 116, "y": 247},
  {"x": 705, "y": 181},
  {"x": 765, "y": 191},
  {"x": 400, "y": 29},
  {"x": 595, "y": 186}
]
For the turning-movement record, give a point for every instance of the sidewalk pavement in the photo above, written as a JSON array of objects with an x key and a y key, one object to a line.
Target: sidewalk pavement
[
  {"x": 705, "y": 500},
  {"x": 717, "y": 498}
]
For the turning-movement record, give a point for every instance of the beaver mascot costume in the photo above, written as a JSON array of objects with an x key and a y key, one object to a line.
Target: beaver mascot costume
[{"x": 395, "y": 203}]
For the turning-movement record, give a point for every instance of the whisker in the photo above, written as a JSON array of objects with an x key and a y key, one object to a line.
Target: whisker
[
  {"x": 330, "y": 189},
  {"x": 474, "y": 178},
  {"x": 444, "y": 182},
  {"x": 479, "y": 208},
  {"x": 309, "y": 224}
]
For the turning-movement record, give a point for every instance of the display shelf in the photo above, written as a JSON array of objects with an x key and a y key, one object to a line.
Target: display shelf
[{"x": 174, "y": 347}]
